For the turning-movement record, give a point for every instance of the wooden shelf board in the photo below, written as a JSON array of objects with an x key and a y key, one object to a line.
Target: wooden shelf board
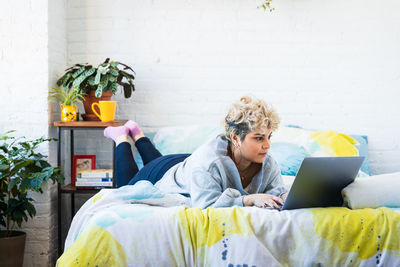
[
  {"x": 89, "y": 123},
  {"x": 73, "y": 189}
]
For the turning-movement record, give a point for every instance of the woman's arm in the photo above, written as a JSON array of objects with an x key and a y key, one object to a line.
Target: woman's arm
[
  {"x": 206, "y": 190},
  {"x": 273, "y": 179},
  {"x": 274, "y": 191}
]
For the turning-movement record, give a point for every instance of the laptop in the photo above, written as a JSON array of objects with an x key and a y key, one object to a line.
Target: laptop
[{"x": 320, "y": 181}]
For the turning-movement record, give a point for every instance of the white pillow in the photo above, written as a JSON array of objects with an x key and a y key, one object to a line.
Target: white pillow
[
  {"x": 373, "y": 192},
  {"x": 288, "y": 181}
]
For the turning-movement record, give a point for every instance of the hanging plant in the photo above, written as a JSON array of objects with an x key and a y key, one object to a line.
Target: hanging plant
[{"x": 266, "y": 5}]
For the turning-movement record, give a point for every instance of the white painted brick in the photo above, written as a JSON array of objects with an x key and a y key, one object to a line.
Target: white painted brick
[
  {"x": 28, "y": 46},
  {"x": 104, "y": 23}
]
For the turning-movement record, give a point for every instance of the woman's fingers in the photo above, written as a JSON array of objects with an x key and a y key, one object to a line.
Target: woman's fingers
[
  {"x": 278, "y": 200},
  {"x": 274, "y": 204},
  {"x": 271, "y": 203},
  {"x": 268, "y": 204}
]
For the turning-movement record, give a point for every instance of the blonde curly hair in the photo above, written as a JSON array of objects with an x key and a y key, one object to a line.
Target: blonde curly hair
[{"x": 249, "y": 114}]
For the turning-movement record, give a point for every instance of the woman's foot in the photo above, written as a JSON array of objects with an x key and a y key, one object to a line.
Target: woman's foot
[
  {"x": 134, "y": 130},
  {"x": 116, "y": 133}
]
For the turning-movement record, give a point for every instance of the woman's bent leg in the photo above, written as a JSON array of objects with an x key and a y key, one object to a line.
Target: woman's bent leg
[
  {"x": 156, "y": 169},
  {"x": 125, "y": 165},
  {"x": 147, "y": 150}
]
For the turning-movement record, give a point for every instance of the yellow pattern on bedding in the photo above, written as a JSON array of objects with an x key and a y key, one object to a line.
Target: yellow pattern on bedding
[
  {"x": 209, "y": 226},
  {"x": 94, "y": 247},
  {"x": 366, "y": 232},
  {"x": 205, "y": 228}
]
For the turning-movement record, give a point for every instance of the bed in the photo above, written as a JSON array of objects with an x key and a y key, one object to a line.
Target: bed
[{"x": 140, "y": 226}]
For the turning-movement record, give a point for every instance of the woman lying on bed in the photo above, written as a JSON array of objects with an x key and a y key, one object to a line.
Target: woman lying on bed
[{"x": 231, "y": 169}]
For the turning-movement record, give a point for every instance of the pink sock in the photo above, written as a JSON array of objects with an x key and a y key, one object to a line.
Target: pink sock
[
  {"x": 133, "y": 128},
  {"x": 114, "y": 132}
]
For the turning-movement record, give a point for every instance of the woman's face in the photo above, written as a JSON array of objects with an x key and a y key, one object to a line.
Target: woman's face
[{"x": 256, "y": 145}]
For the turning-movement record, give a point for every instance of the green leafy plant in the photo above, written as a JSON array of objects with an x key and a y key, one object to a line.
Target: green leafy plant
[
  {"x": 266, "y": 5},
  {"x": 22, "y": 169},
  {"x": 106, "y": 77},
  {"x": 68, "y": 97}
]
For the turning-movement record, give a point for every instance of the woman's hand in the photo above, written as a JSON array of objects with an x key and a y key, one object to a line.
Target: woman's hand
[
  {"x": 262, "y": 200},
  {"x": 284, "y": 196}
]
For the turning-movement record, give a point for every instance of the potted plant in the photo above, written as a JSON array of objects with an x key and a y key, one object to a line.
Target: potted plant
[
  {"x": 22, "y": 169},
  {"x": 98, "y": 83},
  {"x": 68, "y": 99}
]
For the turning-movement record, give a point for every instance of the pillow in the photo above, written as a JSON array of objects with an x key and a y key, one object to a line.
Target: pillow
[
  {"x": 180, "y": 139},
  {"x": 373, "y": 192},
  {"x": 288, "y": 181},
  {"x": 184, "y": 139},
  {"x": 290, "y": 144}
]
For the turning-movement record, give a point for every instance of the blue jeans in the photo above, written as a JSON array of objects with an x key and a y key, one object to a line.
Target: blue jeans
[{"x": 155, "y": 164}]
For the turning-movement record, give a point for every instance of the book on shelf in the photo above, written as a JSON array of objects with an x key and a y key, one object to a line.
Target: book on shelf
[
  {"x": 107, "y": 173},
  {"x": 93, "y": 184},
  {"x": 93, "y": 180}
]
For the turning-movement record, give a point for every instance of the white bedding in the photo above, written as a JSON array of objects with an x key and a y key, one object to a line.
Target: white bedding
[{"x": 139, "y": 226}]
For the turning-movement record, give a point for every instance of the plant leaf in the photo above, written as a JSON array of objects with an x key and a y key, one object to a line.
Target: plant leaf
[
  {"x": 36, "y": 182},
  {"x": 91, "y": 81},
  {"x": 132, "y": 85},
  {"x": 97, "y": 78},
  {"x": 47, "y": 172},
  {"x": 127, "y": 90},
  {"x": 66, "y": 80},
  {"x": 99, "y": 91},
  {"x": 127, "y": 67},
  {"x": 103, "y": 81},
  {"x": 114, "y": 64},
  {"x": 19, "y": 166},
  {"x": 82, "y": 77},
  {"x": 114, "y": 72},
  {"x": 127, "y": 75},
  {"x": 4, "y": 147},
  {"x": 31, "y": 209},
  {"x": 13, "y": 182},
  {"x": 78, "y": 72},
  {"x": 25, "y": 185},
  {"x": 4, "y": 167},
  {"x": 113, "y": 87}
]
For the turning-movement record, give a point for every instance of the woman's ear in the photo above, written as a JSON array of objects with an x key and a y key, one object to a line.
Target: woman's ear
[{"x": 235, "y": 139}]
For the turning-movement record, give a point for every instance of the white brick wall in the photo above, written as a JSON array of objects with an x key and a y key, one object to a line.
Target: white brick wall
[
  {"x": 32, "y": 53},
  {"x": 323, "y": 64},
  {"x": 57, "y": 61}
]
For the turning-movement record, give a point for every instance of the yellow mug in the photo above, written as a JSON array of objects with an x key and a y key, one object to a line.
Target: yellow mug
[{"x": 107, "y": 110}]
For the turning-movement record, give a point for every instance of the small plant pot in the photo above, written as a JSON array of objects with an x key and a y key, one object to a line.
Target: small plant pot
[
  {"x": 89, "y": 99},
  {"x": 12, "y": 249},
  {"x": 69, "y": 113}
]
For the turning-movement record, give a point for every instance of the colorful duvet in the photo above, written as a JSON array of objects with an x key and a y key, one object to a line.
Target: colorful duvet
[{"x": 140, "y": 226}]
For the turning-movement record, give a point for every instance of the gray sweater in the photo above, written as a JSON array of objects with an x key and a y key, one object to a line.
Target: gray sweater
[{"x": 210, "y": 178}]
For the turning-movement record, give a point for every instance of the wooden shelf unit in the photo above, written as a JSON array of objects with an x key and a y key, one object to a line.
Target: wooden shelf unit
[{"x": 69, "y": 189}]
